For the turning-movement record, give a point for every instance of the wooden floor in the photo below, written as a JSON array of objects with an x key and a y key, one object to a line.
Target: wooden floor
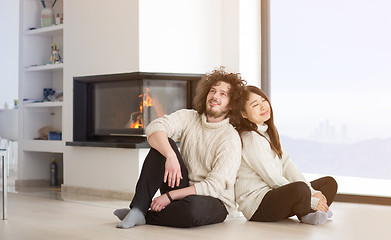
[{"x": 33, "y": 217}]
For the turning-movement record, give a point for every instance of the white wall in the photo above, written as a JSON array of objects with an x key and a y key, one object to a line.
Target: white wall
[
  {"x": 9, "y": 52},
  {"x": 100, "y": 37},
  {"x": 250, "y": 41},
  {"x": 230, "y": 35},
  {"x": 183, "y": 36}
]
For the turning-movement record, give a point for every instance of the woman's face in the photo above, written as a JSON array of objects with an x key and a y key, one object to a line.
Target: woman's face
[{"x": 256, "y": 109}]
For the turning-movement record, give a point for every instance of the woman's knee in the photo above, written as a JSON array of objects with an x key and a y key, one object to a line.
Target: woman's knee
[
  {"x": 332, "y": 183},
  {"x": 330, "y": 189},
  {"x": 300, "y": 188}
]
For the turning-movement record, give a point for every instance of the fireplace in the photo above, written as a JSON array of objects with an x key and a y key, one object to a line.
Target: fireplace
[{"x": 113, "y": 110}]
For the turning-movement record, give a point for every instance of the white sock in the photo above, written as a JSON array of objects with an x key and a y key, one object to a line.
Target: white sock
[
  {"x": 135, "y": 217},
  {"x": 315, "y": 218},
  {"x": 329, "y": 213},
  {"x": 121, "y": 213}
]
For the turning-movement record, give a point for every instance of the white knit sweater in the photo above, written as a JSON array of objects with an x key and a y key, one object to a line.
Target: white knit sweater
[
  {"x": 261, "y": 171},
  {"x": 210, "y": 151}
]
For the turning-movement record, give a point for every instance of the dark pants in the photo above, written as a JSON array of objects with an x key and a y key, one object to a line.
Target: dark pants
[
  {"x": 293, "y": 199},
  {"x": 191, "y": 211}
]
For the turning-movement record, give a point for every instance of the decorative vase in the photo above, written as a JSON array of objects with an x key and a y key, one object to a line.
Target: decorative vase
[{"x": 47, "y": 17}]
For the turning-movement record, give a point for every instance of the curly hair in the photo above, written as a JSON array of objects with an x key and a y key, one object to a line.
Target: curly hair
[
  {"x": 235, "y": 91},
  {"x": 245, "y": 125}
]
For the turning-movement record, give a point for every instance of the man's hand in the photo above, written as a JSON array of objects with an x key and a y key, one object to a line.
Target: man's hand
[
  {"x": 172, "y": 173},
  {"x": 159, "y": 203}
]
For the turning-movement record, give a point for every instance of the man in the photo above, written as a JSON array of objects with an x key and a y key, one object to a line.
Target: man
[{"x": 196, "y": 185}]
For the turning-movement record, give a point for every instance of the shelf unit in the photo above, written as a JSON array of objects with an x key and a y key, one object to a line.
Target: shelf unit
[{"x": 36, "y": 73}]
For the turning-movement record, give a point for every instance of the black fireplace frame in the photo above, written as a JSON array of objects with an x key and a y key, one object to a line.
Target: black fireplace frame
[{"x": 82, "y": 107}]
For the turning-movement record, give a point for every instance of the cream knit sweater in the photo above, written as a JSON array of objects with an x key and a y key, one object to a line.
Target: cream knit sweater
[
  {"x": 261, "y": 171},
  {"x": 210, "y": 151}
]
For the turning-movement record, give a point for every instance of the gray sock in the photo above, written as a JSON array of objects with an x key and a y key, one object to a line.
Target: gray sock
[
  {"x": 315, "y": 218},
  {"x": 135, "y": 217},
  {"x": 121, "y": 213},
  {"x": 329, "y": 213}
]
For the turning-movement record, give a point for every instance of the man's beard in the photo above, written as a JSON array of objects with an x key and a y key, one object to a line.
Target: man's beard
[{"x": 216, "y": 114}]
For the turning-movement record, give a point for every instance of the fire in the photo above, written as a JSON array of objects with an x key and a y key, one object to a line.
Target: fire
[{"x": 146, "y": 101}]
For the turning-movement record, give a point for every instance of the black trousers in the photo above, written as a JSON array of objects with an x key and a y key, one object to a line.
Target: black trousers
[
  {"x": 293, "y": 199},
  {"x": 191, "y": 211}
]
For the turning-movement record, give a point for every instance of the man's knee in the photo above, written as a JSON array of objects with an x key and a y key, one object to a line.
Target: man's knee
[
  {"x": 174, "y": 147},
  {"x": 202, "y": 210},
  {"x": 172, "y": 143}
]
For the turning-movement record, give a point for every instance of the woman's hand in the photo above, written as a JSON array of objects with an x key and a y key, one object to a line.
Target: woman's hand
[
  {"x": 172, "y": 173},
  {"x": 320, "y": 196},
  {"x": 160, "y": 202},
  {"x": 322, "y": 205}
]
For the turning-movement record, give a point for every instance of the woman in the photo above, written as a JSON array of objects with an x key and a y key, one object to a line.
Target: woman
[{"x": 269, "y": 187}]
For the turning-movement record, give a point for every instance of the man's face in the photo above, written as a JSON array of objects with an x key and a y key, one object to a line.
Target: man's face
[{"x": 217, "y": 102}]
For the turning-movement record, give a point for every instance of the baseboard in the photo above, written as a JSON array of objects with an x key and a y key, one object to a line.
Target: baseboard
[
  {"x": 20, "y": 185},
  {"x": 363, "y": 199},
  {"x": 97, "y": 192}
]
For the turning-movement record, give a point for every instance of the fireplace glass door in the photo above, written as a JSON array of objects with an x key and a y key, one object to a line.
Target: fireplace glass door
[{"x": 121, "y": 108}]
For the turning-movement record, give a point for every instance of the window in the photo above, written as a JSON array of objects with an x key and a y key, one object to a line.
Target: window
[{"x": 330, "y": 89}]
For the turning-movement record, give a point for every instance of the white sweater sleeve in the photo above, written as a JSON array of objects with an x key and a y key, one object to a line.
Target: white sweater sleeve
[
  {"x": 172, "y": 124},
  {"x": 258, "y": 156}
]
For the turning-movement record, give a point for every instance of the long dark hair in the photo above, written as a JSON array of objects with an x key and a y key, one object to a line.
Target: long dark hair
[{"x": 246, "y": 125}]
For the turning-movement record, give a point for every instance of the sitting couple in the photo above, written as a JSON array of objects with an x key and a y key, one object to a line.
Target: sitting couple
[{"x": 215, "y": 165}]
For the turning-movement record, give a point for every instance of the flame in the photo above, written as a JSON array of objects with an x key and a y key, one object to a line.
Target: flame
[{"x": 145, "y": 102}]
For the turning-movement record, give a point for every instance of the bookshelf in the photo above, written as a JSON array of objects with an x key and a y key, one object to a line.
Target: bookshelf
[{"x": 36, "y": 72}]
